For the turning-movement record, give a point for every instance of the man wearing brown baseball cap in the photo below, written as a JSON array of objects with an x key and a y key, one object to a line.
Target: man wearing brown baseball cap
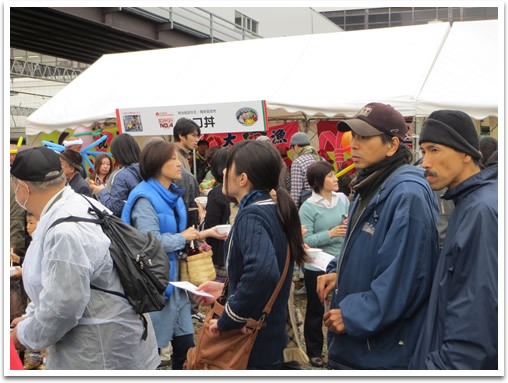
[{"x": 382, "y": 278}]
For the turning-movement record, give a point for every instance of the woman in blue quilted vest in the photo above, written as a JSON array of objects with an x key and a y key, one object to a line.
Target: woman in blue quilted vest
[
  {"x": 156, "y": 206},
  {"x": 256, "y": 250}
]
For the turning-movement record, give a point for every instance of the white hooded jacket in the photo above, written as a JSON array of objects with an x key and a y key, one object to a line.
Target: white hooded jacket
[{"x": 82, "y": 328}]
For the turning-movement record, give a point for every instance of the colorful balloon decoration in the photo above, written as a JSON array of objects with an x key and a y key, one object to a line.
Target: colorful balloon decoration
[
  {"x": 20, "y": 141},
  {"x": 345, "y": 141},
  {"x": 345, "y": 170},
  {"x": 87, "y": 136},
  {"x": 341, "y": 143}
]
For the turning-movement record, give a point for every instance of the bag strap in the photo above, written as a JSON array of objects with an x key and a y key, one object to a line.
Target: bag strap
[
  {"x": 73, "y": 218},
  {"x": 91, "y": 220},
  {"x": 270, "y": 303},
  {"x": 223, "y": 297},
  {"x": 94, "y": 210}
]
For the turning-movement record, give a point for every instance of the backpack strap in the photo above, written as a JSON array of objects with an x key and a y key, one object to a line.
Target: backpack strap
[
  {"x": 93, "y": 287},
  {"x": 92, "y": 210},
  {"x": 95, "y": 211},
  {"x": 91, "y": 220},
  {"x": 75, "y": 219}
]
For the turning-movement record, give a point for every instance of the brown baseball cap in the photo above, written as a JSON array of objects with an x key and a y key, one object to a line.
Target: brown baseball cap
[
  {"x": 73, "y": 158},
  {"x": 375, "y": 119}
]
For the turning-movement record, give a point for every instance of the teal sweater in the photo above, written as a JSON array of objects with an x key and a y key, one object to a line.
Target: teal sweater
[{"x": 319, "y": 220}]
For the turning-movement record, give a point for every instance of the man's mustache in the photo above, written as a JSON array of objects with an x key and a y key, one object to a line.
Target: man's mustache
[{"x": 429, "y": 173}]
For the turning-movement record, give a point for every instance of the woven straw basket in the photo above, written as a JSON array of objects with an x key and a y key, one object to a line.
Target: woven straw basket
[{"x": 197, "y": 268}]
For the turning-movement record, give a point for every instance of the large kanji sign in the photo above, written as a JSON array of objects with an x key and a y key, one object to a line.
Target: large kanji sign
[{"x": 280, "y": 135}]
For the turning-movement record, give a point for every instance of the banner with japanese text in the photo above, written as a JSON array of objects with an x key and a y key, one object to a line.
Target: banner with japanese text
[
  {"x": 238, "y": 117},
  {"x": 280, "y": 136}
]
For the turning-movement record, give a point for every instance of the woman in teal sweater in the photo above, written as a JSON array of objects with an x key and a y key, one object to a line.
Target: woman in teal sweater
[{"x": 324, "y": 215}]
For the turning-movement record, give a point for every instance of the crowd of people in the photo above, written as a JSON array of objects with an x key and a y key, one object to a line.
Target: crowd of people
[{"x": 412, "y": 283}]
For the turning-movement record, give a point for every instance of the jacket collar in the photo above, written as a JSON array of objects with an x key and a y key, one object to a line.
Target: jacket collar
[
  {"x": 318, "y": 200},
  {"x": 54, "y": 199},
  {"x": 254, "y": 196},
  {"x": 402, "y": 174},
  {"x": 184, "y": 151},
  {"x": 486, "y": 176},
  {"x": 171, "y": 195}
]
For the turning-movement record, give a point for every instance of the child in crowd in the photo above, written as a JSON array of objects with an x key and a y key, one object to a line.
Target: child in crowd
[{"x": 19, "y": 299}]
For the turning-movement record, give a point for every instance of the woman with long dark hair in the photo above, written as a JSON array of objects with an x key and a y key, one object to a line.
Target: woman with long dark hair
[
  {"x": 126, "y": 152},
  {"x": 256, "y": 250}
]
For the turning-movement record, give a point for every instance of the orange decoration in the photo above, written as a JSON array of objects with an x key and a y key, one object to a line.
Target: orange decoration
[{"x": 346, "y": 141}]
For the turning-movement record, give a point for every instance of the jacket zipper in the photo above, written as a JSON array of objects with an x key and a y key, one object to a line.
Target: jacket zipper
[
  {"x": 345, "y": 248},
  {"x": 229, "y": 250},
  {"x": 351, "y": 233}
]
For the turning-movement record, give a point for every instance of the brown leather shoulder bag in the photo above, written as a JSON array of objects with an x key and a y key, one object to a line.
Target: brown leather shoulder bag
[{"x": 231, "y": 349}]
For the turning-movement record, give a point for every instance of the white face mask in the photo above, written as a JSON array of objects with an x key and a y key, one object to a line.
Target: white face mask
[{"x": 16, "y": 195}]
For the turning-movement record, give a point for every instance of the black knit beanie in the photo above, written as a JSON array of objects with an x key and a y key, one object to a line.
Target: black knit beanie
[{"x": 454, "y": 129}]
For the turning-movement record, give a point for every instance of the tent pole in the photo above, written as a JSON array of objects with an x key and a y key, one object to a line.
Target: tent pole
[{"x": 194, "y": 163}]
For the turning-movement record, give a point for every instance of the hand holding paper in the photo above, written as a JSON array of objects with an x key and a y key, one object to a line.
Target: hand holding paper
[
  {"x": 320, "y": 260},
  {"x": 190, "y": 287}
]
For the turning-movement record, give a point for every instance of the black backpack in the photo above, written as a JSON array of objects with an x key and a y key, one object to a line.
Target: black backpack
[{"x": 139, "y": 259}]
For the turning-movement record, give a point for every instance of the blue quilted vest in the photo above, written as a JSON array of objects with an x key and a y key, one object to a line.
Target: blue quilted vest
[{"x": 166, "y": 203}]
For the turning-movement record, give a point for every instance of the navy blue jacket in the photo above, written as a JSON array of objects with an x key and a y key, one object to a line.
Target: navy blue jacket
[
  {"x": 256, "y": 252},
  {"x": 124, "y": 181},
  {"x": 385, "y": 273},
  {"x": 461, "y": 328},
  {"x": 80, "y": 186}
]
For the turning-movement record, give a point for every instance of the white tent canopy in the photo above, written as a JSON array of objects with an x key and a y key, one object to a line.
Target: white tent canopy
[
  {"x": 466, "y": 73},
  {"x": 332, "y": 74}
]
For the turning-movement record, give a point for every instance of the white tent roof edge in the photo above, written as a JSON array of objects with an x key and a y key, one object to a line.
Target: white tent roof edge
[{"x": 111, "y": 83}]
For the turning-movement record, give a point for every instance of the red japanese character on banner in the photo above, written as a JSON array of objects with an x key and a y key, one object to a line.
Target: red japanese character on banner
[
  {"x": 251, "y": 135},
  {"x": 214, "y": 140},
  {"x": 280, "y": 135}
]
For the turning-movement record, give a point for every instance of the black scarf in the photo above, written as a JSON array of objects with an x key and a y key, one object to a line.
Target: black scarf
[{"x": 371, "y": 178}]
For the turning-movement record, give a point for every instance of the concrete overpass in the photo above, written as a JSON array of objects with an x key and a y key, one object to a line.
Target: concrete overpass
[{"x": 84, "y": 34}]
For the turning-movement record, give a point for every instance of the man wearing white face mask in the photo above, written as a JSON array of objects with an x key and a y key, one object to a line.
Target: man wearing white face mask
[{"x": 83, "y": 329}]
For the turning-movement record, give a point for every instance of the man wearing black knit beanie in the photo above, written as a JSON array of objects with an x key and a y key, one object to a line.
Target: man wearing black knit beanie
[{"x": 461, "y": 328}]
